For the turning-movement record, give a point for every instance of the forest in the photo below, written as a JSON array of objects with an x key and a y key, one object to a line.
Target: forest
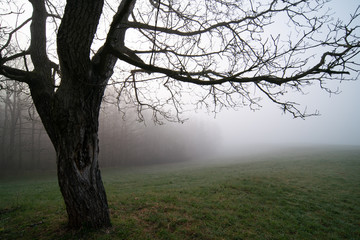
[{"x": 125, "y": 141}]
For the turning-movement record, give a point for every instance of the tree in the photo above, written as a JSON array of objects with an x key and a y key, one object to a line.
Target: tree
[
  {"x": 226, "y": 47},
  {"x": 23, "y": 143},
  {"x": 12, "y": 105}
]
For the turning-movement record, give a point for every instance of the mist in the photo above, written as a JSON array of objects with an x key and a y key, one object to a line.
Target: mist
[
  {"x": 124, "y": 141},
  {"x": 24, "y": 145},
  {"x": 244, "y": 132}
]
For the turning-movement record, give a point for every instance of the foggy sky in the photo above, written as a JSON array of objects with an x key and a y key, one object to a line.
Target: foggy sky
[{"x": 338, "y": 124}]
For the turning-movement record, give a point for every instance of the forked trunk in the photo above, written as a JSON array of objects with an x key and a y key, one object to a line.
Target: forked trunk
[{"x": 70, "y": 111}]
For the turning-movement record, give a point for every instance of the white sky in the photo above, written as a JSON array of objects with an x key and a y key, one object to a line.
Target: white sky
[{"x": 338, "y": 124}]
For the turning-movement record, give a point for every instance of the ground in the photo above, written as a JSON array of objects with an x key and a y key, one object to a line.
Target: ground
[{"x": 299, "y": 194}]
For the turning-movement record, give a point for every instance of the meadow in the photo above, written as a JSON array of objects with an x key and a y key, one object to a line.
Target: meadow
[{"x": 307, "y": 194}]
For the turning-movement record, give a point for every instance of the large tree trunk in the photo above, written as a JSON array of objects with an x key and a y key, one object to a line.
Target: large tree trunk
[
  {"x": 77, "y": 158},
  {"x": 71, "y": 122},
  {"x": 83, "y": 190},
  {"x": 79, "y": 178},
  {"x": 70, "y": 112}
]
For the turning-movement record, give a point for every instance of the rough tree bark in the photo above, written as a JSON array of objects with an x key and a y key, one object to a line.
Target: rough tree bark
[
  {"x": 72, "y": 124},
  {"x": 70, "y": 113},
  {"x": 77, "y": 159}
]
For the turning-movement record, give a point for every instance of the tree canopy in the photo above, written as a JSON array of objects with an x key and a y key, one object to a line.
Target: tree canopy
[{"x": 229, "y": 48}]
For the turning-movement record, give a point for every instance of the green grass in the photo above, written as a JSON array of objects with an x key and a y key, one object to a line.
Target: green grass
[{"x": 289, "y": 196}]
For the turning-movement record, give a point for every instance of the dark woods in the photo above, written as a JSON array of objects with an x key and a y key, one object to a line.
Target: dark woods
[{"x": 25, "y": 146}]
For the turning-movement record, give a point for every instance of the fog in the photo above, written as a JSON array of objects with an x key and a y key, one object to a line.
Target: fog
[
  {"x": 127, "y": 141},
  {"x": 206, "y": 135},
  {"x": 230, "y": 133},
  {"x": 245, "y": 132},
  {"x": 337, "y": 124}
]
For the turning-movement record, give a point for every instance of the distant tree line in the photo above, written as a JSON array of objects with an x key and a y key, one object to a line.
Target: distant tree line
[{"x": 25, "y": 145}]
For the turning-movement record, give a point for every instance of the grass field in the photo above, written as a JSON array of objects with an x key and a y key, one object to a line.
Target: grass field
[{"x": 312, "y": 195}]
